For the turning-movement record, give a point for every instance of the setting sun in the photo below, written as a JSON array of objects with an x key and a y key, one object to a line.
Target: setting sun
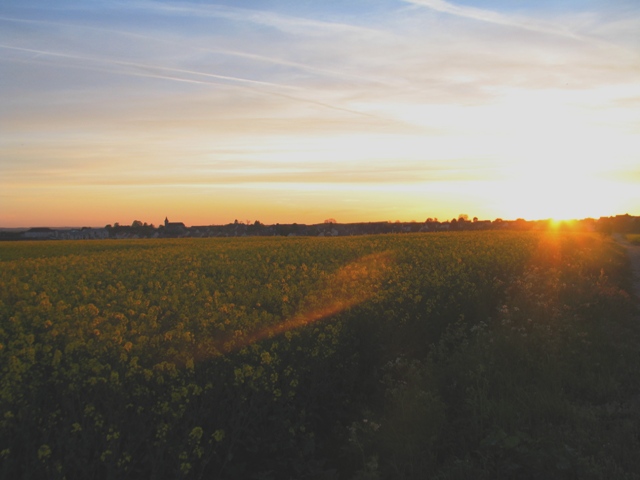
[{"x": 548, "y": 192}]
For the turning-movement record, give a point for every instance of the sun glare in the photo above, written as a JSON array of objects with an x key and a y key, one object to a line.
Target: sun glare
[{"x": 554, "y": 191}]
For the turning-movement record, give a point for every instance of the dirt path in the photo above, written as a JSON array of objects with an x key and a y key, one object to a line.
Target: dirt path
[{"x": 633, "y": 251}]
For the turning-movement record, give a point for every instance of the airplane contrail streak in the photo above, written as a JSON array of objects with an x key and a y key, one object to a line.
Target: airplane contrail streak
[{"x": 241, "y": 82}]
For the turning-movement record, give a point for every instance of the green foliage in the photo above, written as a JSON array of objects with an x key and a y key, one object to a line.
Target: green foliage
[{"x": 485, "y": 355}]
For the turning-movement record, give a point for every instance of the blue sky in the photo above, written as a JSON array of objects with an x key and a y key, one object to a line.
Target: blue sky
[{"x": 288, "y": 111}]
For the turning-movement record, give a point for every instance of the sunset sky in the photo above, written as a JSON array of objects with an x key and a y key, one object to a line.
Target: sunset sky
[{"x": 298, "y": 111}]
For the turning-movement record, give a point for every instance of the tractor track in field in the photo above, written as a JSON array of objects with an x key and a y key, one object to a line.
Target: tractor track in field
[{"x": 633, "y": 253}]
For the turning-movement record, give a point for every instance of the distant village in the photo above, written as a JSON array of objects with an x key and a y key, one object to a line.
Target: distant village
[{"x": 329, "y": 228}]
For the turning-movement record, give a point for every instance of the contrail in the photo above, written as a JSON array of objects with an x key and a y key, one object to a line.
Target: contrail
[
  {"x": 154, "y": 67},
  {"x": 252, "y": 56},
  {"x": 244, "y": 83},
  {"x": 281, "y": 22},
  {"x": 497, "y": 18}
]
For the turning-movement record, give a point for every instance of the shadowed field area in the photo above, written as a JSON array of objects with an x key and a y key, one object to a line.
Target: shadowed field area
[
  {"x": 631, "y": 242},
  {"x": 451, "y": 356}
]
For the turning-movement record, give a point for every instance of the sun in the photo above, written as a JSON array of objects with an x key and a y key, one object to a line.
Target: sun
[
  {"x": 557, "y": 192},
  {"x": 554, "y": 162},
  {"x": 544, "y": 157}
]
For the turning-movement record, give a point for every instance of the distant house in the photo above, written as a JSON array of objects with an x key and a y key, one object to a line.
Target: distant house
[
  {"x": 40, "y": 233},
  {"x": 86, "y": 233},
  {"x": 174, "y": 227}
]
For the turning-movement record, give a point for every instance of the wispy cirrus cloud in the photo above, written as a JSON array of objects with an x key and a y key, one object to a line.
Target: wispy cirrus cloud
[
  {"x": 283, "y": 22},
  {"x": 150, "y": 68},
  {"x": 196, "y": 46},
  {"x": 503, "y": 19},
  {"x": 172, "y": 74}
]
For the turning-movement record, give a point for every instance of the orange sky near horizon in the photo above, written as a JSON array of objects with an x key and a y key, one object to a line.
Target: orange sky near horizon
[{"x": 280, "y": 112}]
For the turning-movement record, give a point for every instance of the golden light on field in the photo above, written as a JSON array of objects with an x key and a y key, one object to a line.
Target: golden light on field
[{"x": 350, "y": 286}]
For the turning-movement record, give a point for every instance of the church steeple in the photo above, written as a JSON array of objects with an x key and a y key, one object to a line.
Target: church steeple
[{"x": 166, "y": 221}]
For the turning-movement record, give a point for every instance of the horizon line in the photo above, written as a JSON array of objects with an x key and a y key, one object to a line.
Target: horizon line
[{"x": 435, "y": 219}]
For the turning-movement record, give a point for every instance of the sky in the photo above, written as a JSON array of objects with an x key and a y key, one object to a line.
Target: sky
[{"x": 289, "y": 111}]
